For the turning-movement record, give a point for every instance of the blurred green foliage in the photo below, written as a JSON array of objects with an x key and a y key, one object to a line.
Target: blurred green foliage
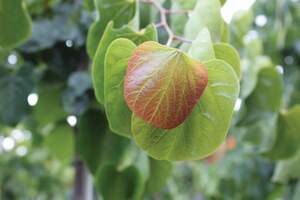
[{"x": 53, "y": 63}]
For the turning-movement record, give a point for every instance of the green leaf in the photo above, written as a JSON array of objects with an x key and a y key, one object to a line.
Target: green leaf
[
  {"x": 49, "y": 100},
  {"x": 118, "y": 11},
  {"x": 116, "y": 184},
  {"x": 228, "y": 53},
  {"x": 110, "y": 34},
  {"x": 116, "y": 61},
  {"x": 160, "y": 171},
  {"x": 95, "y": 144},
  {"x": 163, "y": 84},
  {"x": 94, "y": 36},
  {"x": 205, "y": 128},
  {"x": 287, "y": 136},
  {"x": 202, "y": 48},
  {"x": 13, "y": 94},
  {"x": 206, "y": 14},
  {"x": 287, "y": 169},
  {"x": 225, "y": 37},
  {"x": 60, "y": 143},
  {"x": 250, "y": 73},
  {"x": 15, "y": 23},
  {"x": 266, "y": 97},
  {"x": 253, "y": 48}
]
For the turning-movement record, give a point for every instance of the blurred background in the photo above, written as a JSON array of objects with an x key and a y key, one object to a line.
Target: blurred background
[{"x": 48, "y": 109}]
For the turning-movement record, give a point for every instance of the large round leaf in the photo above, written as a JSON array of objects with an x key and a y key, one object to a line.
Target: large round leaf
[
  {"x": 206, "y": 127},
  {"x": 109, "y": 35},
  {"x": 162, "y": 85},
  {"x": 116, "y": 61}
]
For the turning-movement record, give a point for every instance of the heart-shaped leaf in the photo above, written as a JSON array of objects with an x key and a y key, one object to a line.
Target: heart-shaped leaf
[
  {"x": 205, "y": 128},
  {"x": 162, "y": 85},
  {"x": 116, "y": 61},
  {"x": 109, "y": 35}
]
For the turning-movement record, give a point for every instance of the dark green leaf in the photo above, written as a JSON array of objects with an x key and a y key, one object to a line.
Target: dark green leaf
[
  {"x": 95, "y": 144},
  {"x": 116, "y": 184},
  {"x": 13, "y": 98},
  {"x": 266, "y": 97}
]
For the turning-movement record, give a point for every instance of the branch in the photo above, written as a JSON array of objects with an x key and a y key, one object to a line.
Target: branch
[{"x": 163, "y": 21}]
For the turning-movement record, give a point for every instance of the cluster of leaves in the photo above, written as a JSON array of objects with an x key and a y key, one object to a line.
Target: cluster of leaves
[
  {"x": 159, "y": 109},
  {"x": 162, "y": 85},
  {"x": 266, "y": 127}
]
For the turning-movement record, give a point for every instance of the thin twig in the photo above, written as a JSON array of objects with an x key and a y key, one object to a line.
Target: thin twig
[{"x": 164, "y": 23}]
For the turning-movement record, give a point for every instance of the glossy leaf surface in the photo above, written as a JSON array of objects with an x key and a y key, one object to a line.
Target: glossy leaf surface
[
  {"x": 110, "y": 34},
  {"x": 162, "y": 85},
  {"x": 116, "y": 61},
  {"x": 205, "y": 128}
]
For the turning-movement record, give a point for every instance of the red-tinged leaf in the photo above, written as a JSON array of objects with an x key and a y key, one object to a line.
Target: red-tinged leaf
[{"x": 162, "y": 84}]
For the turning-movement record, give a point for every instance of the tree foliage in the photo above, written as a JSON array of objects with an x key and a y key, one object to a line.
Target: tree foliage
[{"x": 131, "y": 86}]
